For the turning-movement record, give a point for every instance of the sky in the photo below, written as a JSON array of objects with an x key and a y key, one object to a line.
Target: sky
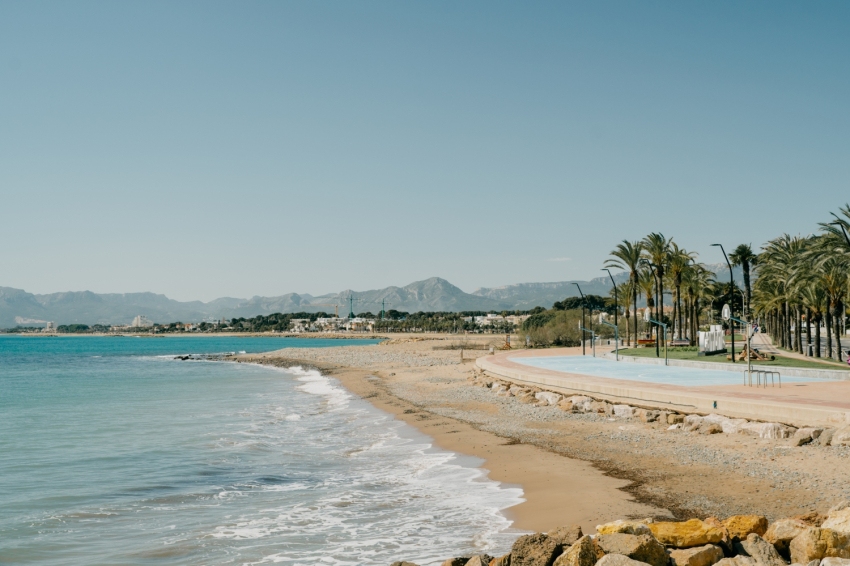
[{"x": 209, "y": 149}]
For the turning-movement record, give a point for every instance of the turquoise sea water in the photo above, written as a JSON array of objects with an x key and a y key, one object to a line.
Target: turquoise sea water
[{"x": 112, "y": 452}]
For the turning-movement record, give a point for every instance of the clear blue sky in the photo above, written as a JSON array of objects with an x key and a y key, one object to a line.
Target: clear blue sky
[{"x": 206, "y": 149}]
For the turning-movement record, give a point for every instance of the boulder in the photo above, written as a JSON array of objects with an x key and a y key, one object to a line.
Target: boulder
[
  {"x": 516, "y": 390},
  {"x": 643, "y": 548},
  {"x": 781, "y": 532},
  {"x": 710, "y": 428},
  {"x": 502, "y": 560},
  {"x": 480, "y": 560},
  {"x": 534, "y": 550},
  {"x": 527, "y": 398},
  {"x": 581, "y": 403},
  {"x": 706, "y": 555},
  {"x": 692, "y": 422},
  {"x": 812, "y": 518},
  {"x": 618, "y": 560},
  {"x": 566, "y": 536},
  {"x": 547, "y": 398},
  {"x": 841, "y": 437},
  {"x": 649, "y": 416},
  {"x": 805, "y": 435},
  {"x": 686, "y": 534},
  {"x": 825, "y": 438},
  {"x": 675, "y": 419},
  {"x": 835, "y": 562},
  {"x": 733, "y": 426},
  {"x": 736, "y": 561},
  {"x": 626, "y": 527},
  {"x": 403, "y": 564},
  {"x": 816, "y": 543},
  {"x": 838, "y": 518},
  {"x": 739, "y": 526},
  {"x": 622, "y": 411},
  {"x": 584, "y": 552},
  {"x": 565, "y": 405},
  {"x": 773, "y": 431},
  {"x": 461, "y": 561},
  {"x": 601, "y": 407},
  {"x": 759, "y": 550}
]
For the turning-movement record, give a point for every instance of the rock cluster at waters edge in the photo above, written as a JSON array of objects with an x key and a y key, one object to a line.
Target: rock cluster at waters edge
[
  {"x": 703, "y": 424},
  {"x": 741, "y": 540}
]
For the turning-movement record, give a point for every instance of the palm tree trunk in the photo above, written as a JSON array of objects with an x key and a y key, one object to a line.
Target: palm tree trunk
[
  {"x": 798, "y": 327},
  {"x": 808, "y": 329},
  {"x": 817, "y": 336},
  {"x": 828, "y": 331},
  {"x": 634, "y": 303},
  {"x": 679, "y": 308},
  {"x": 837, "y": 318}
]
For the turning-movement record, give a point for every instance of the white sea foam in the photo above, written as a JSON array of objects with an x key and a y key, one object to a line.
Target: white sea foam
[{"x": 393, "y": 496}]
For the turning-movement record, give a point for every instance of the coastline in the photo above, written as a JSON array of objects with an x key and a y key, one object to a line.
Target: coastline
[
  {"x": 558, "y": 490},
  {"x": 638, "y": 469}
]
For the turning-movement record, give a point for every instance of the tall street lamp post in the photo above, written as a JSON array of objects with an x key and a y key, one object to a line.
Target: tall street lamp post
[
  {"x": 731, "y": 296},
  {"x": 616, "y": 302},
  {"x": 583, "y": 301}
]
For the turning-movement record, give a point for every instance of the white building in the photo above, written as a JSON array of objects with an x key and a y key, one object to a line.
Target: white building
[{"x": 141, "y": 321}]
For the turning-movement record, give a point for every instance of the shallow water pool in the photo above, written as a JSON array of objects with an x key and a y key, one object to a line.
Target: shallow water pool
[{"x": 668, "y": 375}]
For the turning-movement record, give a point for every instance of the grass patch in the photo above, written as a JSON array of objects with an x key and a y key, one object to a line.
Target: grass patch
[{"x": 690, "y": 353}]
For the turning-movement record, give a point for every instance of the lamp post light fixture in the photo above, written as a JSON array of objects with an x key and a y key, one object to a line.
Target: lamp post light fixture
[
  {"x": 731, "y": 287},
  {"x": 616, "y": 294},
  {"x": 583, "y": 301}
]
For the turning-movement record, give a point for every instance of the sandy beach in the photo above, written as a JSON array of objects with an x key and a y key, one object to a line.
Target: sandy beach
[{"x": 577, "y": 468}]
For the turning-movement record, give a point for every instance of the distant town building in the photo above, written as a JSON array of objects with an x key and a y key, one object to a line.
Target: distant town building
[
  {"x": 141, "y": 321},
  {"x": 50, "y": 327}
]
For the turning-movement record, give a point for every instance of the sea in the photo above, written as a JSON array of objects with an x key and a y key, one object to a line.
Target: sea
[{"x": 114, "y": 452}]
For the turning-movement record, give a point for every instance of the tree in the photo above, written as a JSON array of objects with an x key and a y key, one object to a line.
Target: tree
[
  {"x": 656, "y": 253},
  {"x": 627, "y": 256},
  {"x": 743, "y": 255}
]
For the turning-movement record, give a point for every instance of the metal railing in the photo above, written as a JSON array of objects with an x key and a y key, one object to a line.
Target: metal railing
[{"x": 761, "y": 378}]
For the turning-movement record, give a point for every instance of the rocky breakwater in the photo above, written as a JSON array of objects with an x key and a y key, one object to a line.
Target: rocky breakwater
[
  {"x": 740, "y": 540},
  {"x": 674, "y": 421}
]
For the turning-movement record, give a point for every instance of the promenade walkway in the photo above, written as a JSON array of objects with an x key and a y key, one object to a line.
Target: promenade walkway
[{"x": 800, "y": 403}]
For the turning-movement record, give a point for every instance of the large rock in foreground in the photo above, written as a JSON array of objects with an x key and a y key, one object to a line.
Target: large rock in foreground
[
  {"x": 618, "y": 560},
  {"x": 696, "y": 556},
  {"x": 480, "y": 560},
  {"x": 584, "y": 552},
  {"x": 566, "y": 536},
  {"x": 817, "y": 543},
  {"x": 740, "y": 526},
  {"x": 780, "y": 533},
  {"x": 643, "y": 548},
  {"x": 626, "y": 527},
  {"x": 838, "y": 518},
  {"x": 502, "y": 560},
  {"x": 761, "y": 551},
  {"x": 686, "y": 534},
  {"x": 534, "y": 550}
]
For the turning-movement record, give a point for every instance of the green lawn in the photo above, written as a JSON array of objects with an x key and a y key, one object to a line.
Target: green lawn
[{"x": 691, "y": 354}]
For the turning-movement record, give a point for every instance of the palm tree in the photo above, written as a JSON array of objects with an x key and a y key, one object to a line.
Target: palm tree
[
  {"x": 679, "y": 262},
  {"x": 743, "y": 255},
  {"x": 656, "y": 252},
  {"x": 646, "y": 282},
  {"x": 626, "y": 256}
]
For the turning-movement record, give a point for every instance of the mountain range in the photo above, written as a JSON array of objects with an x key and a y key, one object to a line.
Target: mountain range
[{"x": 20, "y": 308}]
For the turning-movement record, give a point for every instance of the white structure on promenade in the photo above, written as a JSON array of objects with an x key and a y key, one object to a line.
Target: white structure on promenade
[{"x": 713, "y": 340}]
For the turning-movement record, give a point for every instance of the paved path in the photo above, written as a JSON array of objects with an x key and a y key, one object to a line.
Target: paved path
[{"x": 814, "y": 403}]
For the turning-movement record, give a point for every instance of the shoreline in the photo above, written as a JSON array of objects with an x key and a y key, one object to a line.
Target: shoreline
[
  {"x": 558, "y": 490},
  {"x": 655, "y": 471}
]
